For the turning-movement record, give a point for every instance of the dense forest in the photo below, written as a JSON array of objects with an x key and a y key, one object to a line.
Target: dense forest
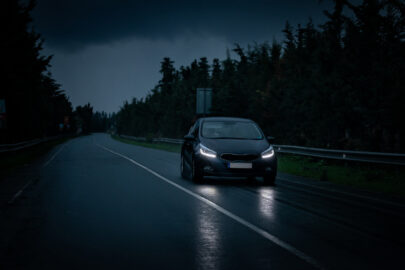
[
  {"x": 33, "y": 103},
  {"x": 337, "y": 85}
]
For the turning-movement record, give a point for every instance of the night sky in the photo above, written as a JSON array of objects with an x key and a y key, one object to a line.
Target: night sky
[{"x": 109, "y": 51}]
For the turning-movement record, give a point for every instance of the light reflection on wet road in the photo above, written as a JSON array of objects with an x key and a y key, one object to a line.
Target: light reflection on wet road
[
  {"x": 266, "y": 202},
  {"x": 208, "y": 244}
]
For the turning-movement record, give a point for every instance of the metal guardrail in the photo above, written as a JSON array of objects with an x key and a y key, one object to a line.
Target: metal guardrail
[
  {"x": 133, "y": 138},
  {"x": 22, "y": 145},
  {"x": 168, "y": 140},
  {"x": 361, "y": 156}
]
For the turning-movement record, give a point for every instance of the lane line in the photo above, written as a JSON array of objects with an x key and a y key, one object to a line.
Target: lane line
[
  {"x": 345, "y": 193},
  {"x": 18, "y": 193},
  {"x": 54, "y": 155},
  {"x": 236, "y": 218}
]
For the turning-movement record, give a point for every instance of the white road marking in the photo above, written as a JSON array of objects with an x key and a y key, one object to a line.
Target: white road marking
[
  {"x": 19, "y": 192},
  {"x": 345, "y": 193},
  {"x": 236, "y": 218},
  {"x": 54, "y": 155}
]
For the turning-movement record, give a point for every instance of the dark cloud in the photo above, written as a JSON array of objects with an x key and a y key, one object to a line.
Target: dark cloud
[{"x": 76, "y": 23}]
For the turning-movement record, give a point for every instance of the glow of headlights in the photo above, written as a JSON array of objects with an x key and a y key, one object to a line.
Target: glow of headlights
[
  {"x": 268, "y": 153},
  {"x": 207, "y": 152}
]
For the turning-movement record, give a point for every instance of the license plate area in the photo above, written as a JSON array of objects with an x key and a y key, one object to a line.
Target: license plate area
[{"x": 240, "y": 165}]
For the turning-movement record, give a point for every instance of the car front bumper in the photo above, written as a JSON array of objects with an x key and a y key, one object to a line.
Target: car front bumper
[{"x": 219, "y": 167}]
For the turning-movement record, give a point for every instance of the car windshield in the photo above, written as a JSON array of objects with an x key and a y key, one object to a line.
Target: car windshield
[{"x": 231, "y": 130}]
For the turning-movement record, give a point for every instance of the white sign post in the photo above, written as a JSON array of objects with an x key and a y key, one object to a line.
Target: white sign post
[
  {"x": 2, "y": 113},
  {"x": 204, "y": 101},
  {"x": 2, "y": 106}
]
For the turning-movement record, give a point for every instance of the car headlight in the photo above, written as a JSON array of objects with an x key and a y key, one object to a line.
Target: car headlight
[
  {"x": 205, "y": 151},
  {"x": 268, "y": 153}
]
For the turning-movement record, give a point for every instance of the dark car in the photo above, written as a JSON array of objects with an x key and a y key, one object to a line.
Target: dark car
[{"x": 227, "y": 146}]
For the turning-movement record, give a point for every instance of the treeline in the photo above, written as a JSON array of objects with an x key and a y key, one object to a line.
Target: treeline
[
  {"x": 337, "y": 85},
  {"x": 88, "y": 121},
  {"x": 35, "y": 104},
  {"x": 32, "y": 103}
]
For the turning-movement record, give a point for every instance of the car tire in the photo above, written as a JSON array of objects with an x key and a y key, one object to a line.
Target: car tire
[
  {"x": 269, "y": 180},
  {"x": 196, "y": 173},
  {"x": 182, "y": 168}
]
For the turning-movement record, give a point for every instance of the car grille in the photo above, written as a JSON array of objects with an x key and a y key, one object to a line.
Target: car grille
[{"x": 239, "y": 157}]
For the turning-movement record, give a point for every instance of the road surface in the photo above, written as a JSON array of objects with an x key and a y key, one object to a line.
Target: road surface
[{"x": 96, "y": 203}]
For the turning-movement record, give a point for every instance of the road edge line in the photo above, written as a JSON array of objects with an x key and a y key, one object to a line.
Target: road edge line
[
  {"x": 19, "y": 192},
  {"x": 54, "y": 155}
]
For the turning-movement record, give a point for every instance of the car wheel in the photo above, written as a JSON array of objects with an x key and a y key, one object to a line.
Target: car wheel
[
  {"x": 269, "y": 179},
  {"x": 182, "y": 168},
  {"x": 196, "y": 174}
]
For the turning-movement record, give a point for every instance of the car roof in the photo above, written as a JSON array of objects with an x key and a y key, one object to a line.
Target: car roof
[{"x": 225, "y": 119}]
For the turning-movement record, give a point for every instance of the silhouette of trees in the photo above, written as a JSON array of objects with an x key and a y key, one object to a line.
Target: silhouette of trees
[
  {"x": 100, "y": 122},
  {"x": 36, "y": 105},
  {"x": 84, "y": 118},
  {"x": 337, "y": 85}
]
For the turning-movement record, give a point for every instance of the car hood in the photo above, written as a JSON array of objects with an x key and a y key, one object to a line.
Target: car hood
[{"x": 235, "y": 146}]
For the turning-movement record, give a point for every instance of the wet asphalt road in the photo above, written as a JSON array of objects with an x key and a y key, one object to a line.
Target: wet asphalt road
[{"x": 100, "y": 203}]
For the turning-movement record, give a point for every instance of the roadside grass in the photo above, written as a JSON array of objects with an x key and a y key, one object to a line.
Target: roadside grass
[
  {"x": 11, "y": 161},
  {"x": 386, "y": 179}
]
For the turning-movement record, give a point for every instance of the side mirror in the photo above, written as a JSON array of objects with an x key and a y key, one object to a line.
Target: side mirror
[
  {"x": 189, "y": 137},
  {"x": 270, "y": 139}
]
